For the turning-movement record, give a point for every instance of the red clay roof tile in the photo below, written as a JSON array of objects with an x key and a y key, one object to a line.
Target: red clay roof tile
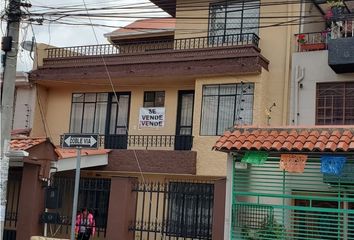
[
  {"x": 343, "y": 146},
  {"x": 71, "y": 153},
  {"x": 348, "y": 134},
  {"x": 309, "y": 146},
  {"x": 146, "y": 26},
  {"x": 317, "y": 138},
  {"x": 320, "y": 146},
  {"x": 334, "y": 139},
  {"x": 25, "y": 143},
  {"x": 277, "y": 146},
  {"x": 331, "y": 146},
  {"x": 237, "y": 145}
]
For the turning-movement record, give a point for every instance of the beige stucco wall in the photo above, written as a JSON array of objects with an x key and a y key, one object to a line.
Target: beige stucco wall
[
  {"x": 39, "y": 113},
  {"x": 56, "y": 105},
  {"x": 276, "y": 44},
  {"x": 210, "y": 162}
]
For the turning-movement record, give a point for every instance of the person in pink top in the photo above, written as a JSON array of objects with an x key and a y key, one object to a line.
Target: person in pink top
[{"x": 85, "y": 225}]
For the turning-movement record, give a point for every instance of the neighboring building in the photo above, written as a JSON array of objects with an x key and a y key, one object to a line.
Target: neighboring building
[
  {"x": 24, "y": 101},
  {"x": 195, "y": 76},
  {"x": 297, "y": 182},
  {"x": 322, "y": 71},
  {"x": 289, "y": 183}
]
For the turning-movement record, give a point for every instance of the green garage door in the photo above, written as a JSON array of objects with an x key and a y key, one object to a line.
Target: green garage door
[{"x": 269, "y": 203}]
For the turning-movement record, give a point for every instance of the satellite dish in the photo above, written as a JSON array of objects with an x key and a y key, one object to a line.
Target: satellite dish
[{"x": 27, "y": 45}]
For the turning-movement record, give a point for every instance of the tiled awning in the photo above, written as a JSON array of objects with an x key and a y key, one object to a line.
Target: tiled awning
[
  {"x": 25, "y": 143},
  {"x": 288, "y": 139}
]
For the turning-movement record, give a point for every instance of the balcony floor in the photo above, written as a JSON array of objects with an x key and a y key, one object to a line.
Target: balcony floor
[{"x": 166, "y": 65}]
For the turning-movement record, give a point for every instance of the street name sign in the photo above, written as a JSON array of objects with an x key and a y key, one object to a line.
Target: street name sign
[{"x": 80, "y": 141}]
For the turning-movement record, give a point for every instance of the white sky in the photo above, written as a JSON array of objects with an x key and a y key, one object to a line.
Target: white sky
[{"x": 66, "y": 35}]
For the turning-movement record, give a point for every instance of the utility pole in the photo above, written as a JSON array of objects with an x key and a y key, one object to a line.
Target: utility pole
[{"x": 10, "y": 47}]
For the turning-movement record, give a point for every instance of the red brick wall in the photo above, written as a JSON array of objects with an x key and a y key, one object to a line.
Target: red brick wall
[{"x": 153, "y": 161}]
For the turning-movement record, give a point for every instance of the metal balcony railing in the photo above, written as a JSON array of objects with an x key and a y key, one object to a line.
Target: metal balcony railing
[
  {"x": 149, "y": 46},
  {"x": 312, "y": 41},
  {"x": 341, "y": 27},
  {"x": 115, "y": 141}
]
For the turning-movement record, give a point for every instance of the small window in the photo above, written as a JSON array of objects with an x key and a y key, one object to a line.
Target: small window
[
  {"x": 335, "y": 103},
  {"x": 154, "y": 99}
]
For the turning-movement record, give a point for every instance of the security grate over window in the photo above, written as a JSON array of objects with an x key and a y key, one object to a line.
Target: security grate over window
[
  {"x": 335, "y": 103},
  {"x": 234, "y": 17},
  {"x": 254, "y": 216},
  {"x": 225, "y": 105}
]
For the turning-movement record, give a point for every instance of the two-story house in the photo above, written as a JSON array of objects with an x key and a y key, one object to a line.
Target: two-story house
[{"x": 159, "y": 95}]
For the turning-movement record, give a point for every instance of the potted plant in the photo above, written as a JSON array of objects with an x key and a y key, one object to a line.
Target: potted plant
[
  {"x": 269, "y": 230},
  {"x": 337, "y": 6},
  {"x": 317, "y": 43}
]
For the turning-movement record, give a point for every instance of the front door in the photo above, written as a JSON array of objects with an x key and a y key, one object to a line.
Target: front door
[
  {"x": 117, "y": 121},
  {"x": 184, "y": 125}
]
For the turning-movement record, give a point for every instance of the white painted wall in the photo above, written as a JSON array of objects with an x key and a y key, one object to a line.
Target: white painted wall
[
  {"x": 23, "y": 114},
  {"x": 315, "y": 67}
]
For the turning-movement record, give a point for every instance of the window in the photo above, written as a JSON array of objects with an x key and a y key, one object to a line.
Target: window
[
  {"x": 190, "y": 210},
  {"x": 223, "y": 106},
  {"x": 233, "y": 17},
  {"x": 335, "y": 103},
  {"x": 99, "y": 113},
  {"x": 154, "y": 99}
]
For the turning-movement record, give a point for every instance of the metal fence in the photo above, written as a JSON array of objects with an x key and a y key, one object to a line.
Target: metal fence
[
  {"x": 269, "y": 203},
  {"x": 180, "y": 142},
  {"x": 149, "y": 46},
  {"x": 173, "y": 210},
  {"x": 121, "y": 141},
  {"x": 93, "y": 194},
  {"x": 13, "y": 197}
]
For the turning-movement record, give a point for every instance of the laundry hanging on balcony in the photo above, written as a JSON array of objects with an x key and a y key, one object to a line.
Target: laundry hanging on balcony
[
  {"x": 293, "y": 163},
  {"x": 255, "y": 157},
  {"x": 332, "y": 164}
]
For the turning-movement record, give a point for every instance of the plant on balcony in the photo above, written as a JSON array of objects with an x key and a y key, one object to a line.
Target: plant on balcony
[
  {"x": 337, "y": 6},
  {"x": 318, "y": 42},
  {"x": 335, "y": 3},
  {"x": 301, "y": 38}
]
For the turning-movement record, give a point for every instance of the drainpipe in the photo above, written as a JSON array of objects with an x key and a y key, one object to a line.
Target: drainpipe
[
  {"x": 299, "y": 77},
  {"x": 287, "y": 66}
]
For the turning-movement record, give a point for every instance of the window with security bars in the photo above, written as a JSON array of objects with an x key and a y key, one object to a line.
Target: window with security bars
[
  {"x": 190, "y": 210},
  {"x": 255, "y": 216},
  {"x": 93, "y": 195},
  {"x": 234, "y": 17},
  {"x": 225, "y": 105},
  {"x": 335, "y": 103}
]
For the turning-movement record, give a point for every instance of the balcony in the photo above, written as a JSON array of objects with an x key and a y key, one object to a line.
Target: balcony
[
  {"x": 146, "y": 142},
  {"x": 339, "y": 43},
  {"x": 313, "y": 41},
  {"x": 188, "y": 57}
]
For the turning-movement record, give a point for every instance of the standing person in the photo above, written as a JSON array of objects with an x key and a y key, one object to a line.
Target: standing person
[{"x": 85, "y": 225}]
